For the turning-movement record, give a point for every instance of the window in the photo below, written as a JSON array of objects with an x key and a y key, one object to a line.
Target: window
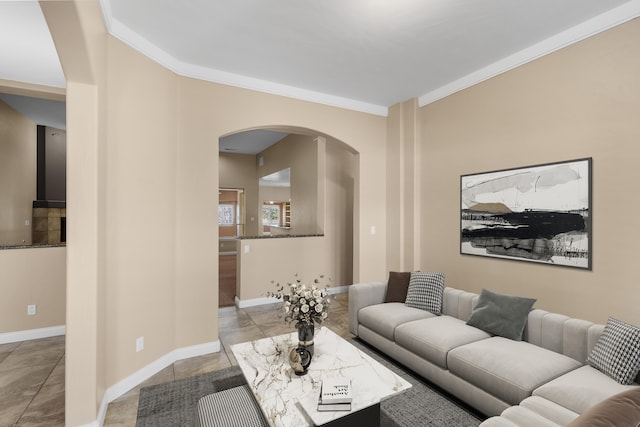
[
  {"x": 270, "y": 215},
  {"x": 226, "y": 214}
]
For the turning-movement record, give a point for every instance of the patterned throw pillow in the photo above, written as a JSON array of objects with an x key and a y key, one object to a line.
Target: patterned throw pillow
[
  {"x": 617, "y": 351},
  {"x": 425, "y": 292}
]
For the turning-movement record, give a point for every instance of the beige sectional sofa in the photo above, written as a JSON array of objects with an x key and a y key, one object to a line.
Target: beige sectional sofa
[{"x": 543, "y": 380}]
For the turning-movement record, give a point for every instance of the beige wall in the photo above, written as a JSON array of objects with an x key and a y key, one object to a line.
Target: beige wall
[
  {"x": 32, "y": 276},
  {"x": 300, "y": 153},
  {"x": 281, "y": 260},
  {"x": 340, "y": 186},
  {"x": 18, "y": 141},
  {"x": 239, "y": 171},
  {"x": 79, "y": 35},
  {"x": 211, "y": 110},
  {"x": 330, "y": 255},
  {"x": 142, "y": 169},
  {"x": 582, "y": 101},
  {"x": 274, "y": 194},
  {"x": 404, "y": 219},
  {"x": 140, "y": 207}
]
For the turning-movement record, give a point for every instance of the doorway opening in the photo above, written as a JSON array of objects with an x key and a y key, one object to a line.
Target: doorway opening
[{"x": 230, "y": 226}]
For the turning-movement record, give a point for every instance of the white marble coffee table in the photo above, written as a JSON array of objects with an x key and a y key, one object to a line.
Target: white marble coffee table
[{"x": 290, "y": 400}]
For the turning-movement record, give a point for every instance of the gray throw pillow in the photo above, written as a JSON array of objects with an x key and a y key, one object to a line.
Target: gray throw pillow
[
  {"x": 617, "y": 351},
  {"x": 500, "y": 314},
  {"x": 425, "y": 292}
]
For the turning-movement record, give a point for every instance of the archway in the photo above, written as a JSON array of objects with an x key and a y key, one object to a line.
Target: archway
[{"x": 330, "y": 190}]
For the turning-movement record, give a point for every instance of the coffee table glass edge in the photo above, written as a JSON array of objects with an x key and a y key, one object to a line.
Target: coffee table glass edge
[{"x": 290, "y": 400}]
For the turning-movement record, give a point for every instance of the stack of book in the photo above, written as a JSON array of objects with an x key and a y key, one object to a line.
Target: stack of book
[{"x": 335, "y": 395}]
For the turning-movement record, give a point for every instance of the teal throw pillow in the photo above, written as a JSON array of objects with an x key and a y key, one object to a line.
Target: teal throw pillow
[{"x": 501, "y": 314}]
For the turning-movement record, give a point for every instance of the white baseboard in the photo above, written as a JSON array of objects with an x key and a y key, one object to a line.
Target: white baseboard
[
  {"x": 197, "y": 350},
  {"x": 156, "y": 366},
  {"x": 255, "y": 301},
  {"x": 338, "y": 290},
  {"x": 32, "y": 334},
  {"x": 148, "y": 371},
  {"x": 270, "y": 300}
]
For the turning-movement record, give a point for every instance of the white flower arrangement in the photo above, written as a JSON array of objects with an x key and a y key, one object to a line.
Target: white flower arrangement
[{"x": 303, "y": 304}]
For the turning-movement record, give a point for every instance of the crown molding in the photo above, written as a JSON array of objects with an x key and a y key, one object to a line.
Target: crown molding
[
  {"x": 568, "y": 37},
  {"x": 150, "y": 50}
]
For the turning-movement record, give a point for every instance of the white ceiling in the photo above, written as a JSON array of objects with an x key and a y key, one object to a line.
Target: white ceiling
[
  {"x": 43, "y": 112},
  {"x": 361, "y": 54},
  {"x": 364, "y": 55},
  {"x": 26, "y": 47}
]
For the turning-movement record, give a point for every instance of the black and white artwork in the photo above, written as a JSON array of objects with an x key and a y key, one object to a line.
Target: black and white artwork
[{"x": 538, "y": 213}]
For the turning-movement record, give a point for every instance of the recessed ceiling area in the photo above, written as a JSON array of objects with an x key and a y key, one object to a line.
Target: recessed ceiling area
[
  {"x": 45, "y": 112},
  {"x": 250, "y": 142}
]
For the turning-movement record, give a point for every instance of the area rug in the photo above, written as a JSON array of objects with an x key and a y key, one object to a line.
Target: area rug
[{"x": 174, "y": 403}]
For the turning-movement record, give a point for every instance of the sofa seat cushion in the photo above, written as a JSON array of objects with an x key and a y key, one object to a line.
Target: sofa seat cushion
[
  {"x": 510, "y": 370},
  {"x": 498, "y": 422},
  {"x": 525, "y": 417},
  {"x": 550, "y": 410},
  {"x": 434, "y": 337},
  {"x": 580, "y": 389},
  {"x": 534, "y": 411},
  {"x": 384, "y": 318}
]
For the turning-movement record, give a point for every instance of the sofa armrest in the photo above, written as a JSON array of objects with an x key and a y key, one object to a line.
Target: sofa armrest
[{"x": 362, "y": 295}]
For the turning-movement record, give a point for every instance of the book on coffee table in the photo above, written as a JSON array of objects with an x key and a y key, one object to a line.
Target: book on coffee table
[
  {"x": 334, "y": 407},
  {"x": 335, "y": 395}
]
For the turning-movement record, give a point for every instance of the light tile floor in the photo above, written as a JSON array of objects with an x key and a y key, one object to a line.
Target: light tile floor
[{"x": 32, "y": 372}]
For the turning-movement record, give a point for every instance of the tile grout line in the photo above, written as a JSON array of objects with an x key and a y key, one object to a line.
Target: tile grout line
[{"x": 39, "y": 388}]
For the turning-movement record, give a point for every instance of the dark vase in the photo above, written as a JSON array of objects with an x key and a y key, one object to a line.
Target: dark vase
[
  {"x": 305, "y": 336},
  {"x": 299, "y": 359}
]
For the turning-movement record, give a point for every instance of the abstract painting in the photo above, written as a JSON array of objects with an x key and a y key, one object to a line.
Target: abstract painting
[{"x": 537, "y": 213}]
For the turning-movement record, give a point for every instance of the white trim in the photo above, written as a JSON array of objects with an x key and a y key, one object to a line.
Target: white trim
[
  {"x": 96, "y": 423},
  {"x": 157, "y": 365},
  {"x": 573, "y": 35},
  {"x": 138, "y": 377},
  {"x": 580, "y": 32},
  {"x": 338, "y": 290},
  {"x": 32, "y": 334},
  {"x": 197, "y": 350},
  {"x": 270, "y": 300},
  {"x": 255, "y": 301},
  {"x": 128, "y": 36}
]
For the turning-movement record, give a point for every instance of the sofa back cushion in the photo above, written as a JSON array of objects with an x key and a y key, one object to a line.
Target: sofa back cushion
[
  {"x": 565, "y": 335},
  {"x": 562, "y": 334},
  {"x": 458, "y": 303}
]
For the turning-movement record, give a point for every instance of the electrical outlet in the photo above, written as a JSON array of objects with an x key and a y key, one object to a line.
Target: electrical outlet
[
  {"x": 140, "y": 344},
  {"x": 31, "y": 309}
]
